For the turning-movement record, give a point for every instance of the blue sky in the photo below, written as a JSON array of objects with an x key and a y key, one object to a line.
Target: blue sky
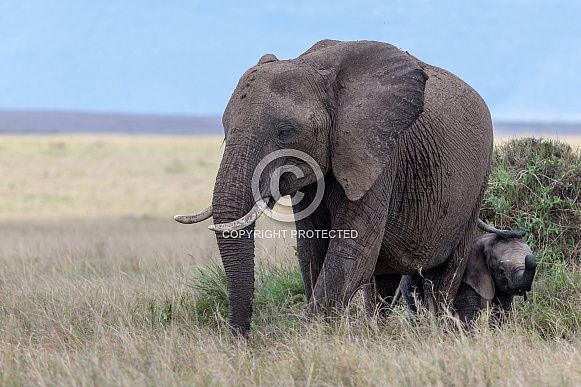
[{"x": 185, "y": 57}]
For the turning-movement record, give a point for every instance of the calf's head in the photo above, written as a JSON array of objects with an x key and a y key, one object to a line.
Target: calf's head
[{"x": 500, "y": 264}]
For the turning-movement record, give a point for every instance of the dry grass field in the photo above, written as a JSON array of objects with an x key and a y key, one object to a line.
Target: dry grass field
[
  {"x": 574, "y": 141},
  {"x": 96, "y": 287}
]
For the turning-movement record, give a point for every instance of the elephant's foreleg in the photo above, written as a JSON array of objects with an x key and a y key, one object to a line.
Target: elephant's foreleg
[
  {"x": 468, "y": 303},
  {"x": 311, "y": 253},
  {"x": 311, "y": 247},
  {"x": 352, "y": 254},
  {"x": 502, "y": 305}
]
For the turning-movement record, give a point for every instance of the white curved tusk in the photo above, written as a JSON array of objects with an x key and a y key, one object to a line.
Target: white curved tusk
[
  {"x": 245, "y": 221},
  {"x": 194, "y": 218}
]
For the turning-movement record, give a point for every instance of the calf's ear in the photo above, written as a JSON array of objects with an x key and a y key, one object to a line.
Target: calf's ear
[{"x": 477, "y": 273}]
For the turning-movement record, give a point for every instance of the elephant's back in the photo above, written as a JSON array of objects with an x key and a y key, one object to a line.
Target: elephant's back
[
  {"x": 456, "y": 103},
  {"x": 443, "y": 163},
  {"x": 457, "y": 119}
]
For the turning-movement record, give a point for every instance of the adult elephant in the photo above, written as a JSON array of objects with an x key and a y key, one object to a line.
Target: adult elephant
[{"x": 404, "y": 151}]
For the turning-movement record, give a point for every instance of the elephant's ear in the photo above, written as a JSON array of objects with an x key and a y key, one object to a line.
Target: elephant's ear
[
  {"x": 378, "y": 94},
  {"x": 477, "y": 273}
]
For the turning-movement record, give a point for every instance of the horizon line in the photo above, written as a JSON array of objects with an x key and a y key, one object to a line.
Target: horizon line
[{"x": 502, "y": 121}]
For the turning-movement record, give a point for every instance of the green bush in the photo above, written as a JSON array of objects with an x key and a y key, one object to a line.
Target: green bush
[{"x": 535, "y": 186}]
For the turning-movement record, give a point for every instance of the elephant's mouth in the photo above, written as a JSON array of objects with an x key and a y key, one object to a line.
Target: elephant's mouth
[
  {"x": 289, "y": 183},
  {"x": 270, "y": 202},
  {"x": 521, "y": 286},
  {"x": 516, "y": 292},
  {"x": 521, "y": 293},
  {"x": 522, "y": 278}
]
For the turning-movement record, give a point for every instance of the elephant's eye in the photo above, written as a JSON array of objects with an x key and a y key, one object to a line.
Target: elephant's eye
[{"x": 285, "y": 131}]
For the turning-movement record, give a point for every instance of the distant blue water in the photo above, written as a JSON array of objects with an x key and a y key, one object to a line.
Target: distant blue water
[
  {"x": 47, "y": 122},
  {"x": 38, "y": 122},
  {"x": 538, "y": 129}
]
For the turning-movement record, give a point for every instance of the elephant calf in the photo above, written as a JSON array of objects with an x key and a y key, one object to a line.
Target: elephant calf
[{"x": 499, "y": 267}]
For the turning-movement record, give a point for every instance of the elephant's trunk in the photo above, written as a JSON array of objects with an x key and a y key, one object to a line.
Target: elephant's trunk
[
  {"x": 522, "y": 278},
  {"x": 232, "y": 200}
]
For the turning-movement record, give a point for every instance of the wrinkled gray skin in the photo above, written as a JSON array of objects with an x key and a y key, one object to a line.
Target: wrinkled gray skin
[
  {"x": 498, "y": 268},
  {"x": 405, "y": 149}
]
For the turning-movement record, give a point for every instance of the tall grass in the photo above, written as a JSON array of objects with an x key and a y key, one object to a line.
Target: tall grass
[
  {"x": 130, "y": 298},
  {"x": 88, "y": 175}
]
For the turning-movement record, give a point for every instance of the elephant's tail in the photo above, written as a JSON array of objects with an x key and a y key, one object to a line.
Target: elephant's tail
[{"x": 501, "y": 233}]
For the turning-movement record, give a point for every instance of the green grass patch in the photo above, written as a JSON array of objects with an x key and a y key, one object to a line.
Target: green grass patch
[
  {"x": 554, "y": 307},
  {"x": 279, "y": 296}
]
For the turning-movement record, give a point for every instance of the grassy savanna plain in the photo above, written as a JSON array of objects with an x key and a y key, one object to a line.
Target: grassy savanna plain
[{"x": 99, "y": 286}]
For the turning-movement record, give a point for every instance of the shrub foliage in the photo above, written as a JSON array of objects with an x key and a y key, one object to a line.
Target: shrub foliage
[{"x": 535, "y": 186}]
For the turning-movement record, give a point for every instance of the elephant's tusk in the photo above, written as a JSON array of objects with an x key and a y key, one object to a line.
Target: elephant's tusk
[
  {"x": 194, "y": 218},
  {"x": 245, "y": 221}
]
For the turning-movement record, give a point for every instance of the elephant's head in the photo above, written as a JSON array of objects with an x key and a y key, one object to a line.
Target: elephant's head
[
  {"x": 500, "y": 264},
  {"x": 344, "y": 104}
]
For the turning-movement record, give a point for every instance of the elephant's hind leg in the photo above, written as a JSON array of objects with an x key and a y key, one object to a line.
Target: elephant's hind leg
[
  {"x": 379, "y": 293},
  {"x": 441, "y": 283}
]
